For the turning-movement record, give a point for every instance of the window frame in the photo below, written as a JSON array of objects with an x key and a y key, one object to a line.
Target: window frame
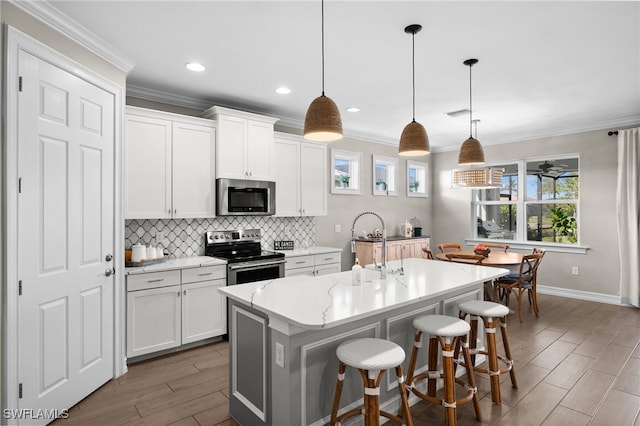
[
  {"x": 520, "y": 238},
  {"x": 418, "y": 165},
  {"x": 355, "y": 162},
  {"x": 391, "y": 165}
]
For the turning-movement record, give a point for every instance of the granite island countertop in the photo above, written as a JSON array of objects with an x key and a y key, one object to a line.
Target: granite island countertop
[{"x": 312, "y": 303}]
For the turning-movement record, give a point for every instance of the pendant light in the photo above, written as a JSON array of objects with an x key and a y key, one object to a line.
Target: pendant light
[
  {"x": 322, "y": 122},
  {"x": 414, "y": 140},
  {"x": 471, "y": 151},
  {"x": 478, "y": 177}
]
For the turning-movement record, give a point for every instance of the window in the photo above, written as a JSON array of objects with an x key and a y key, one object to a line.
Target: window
[
  {"x": 538, "y": 201},
  {"x": 416, "y": 179},
  {"x": 385, "y": 175},
  {"x": 346, "y": 172}
]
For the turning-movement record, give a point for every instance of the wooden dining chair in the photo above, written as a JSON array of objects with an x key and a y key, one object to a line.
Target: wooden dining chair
[
  {"x": 465, "y": 258},
  {"x": 504, "y": 247},
  {"x": 449, "y": 247},
  {"x": 524, "y": 281},
  {"x": 427, "y": 253}
]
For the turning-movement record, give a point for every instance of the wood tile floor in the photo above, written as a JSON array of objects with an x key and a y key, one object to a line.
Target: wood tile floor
[{"x": 578, "y": 364}]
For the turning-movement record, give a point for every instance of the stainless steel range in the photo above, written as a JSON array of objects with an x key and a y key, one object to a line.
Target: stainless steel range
[{"x": 246, "y": 261}]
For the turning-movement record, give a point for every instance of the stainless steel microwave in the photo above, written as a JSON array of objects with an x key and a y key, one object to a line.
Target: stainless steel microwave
[{"x": 238, "y": 197}]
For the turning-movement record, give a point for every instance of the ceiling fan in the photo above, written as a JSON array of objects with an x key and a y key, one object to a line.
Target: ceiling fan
[{"x": 548, "y": 168}]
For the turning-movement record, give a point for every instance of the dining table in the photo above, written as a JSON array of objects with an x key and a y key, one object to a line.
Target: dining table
[{"x": 495, "y": 258}]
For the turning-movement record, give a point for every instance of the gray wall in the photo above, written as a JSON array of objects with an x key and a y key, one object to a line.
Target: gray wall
[
  {"x": 599, "y": 267},
  {"x": 393, "y": 210}
]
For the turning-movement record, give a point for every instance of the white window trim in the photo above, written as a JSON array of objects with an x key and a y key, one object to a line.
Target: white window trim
[
  {"x": 391, "y": 175},
  {"x": 521, "y": 242},
  {"x": 412, "y": 164},
  {"x": 355, "y": 160}
]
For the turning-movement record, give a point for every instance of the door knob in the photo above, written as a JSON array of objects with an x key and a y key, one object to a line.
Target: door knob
[
  {"x": 108, "y": 258},
  {"x": 109, "y": 271}
]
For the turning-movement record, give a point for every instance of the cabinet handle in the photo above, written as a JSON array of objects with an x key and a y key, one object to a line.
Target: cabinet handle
[
  {"x": 184, "y": 292},
  {"x": 155, "y": 281},
  {"x": 169, "y": 211},
  {"x": 175, "y": 211},
  {"x": 300, "y": 262},
  {"x": 178, "y": 294},
  {"x": 205, "y": 274},
  {"x": 328, "y": 258}
]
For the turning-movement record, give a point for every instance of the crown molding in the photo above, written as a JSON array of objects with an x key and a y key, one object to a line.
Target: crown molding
[
  {"x": 48, "y": 14},
  {"x": 167, "y": 98}
]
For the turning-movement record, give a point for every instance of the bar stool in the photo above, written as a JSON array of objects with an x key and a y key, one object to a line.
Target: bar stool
[
  {"x": 371, "y": 357},
  {"x": 491, "y": 313},
  {"x": 446, "y": 332}
]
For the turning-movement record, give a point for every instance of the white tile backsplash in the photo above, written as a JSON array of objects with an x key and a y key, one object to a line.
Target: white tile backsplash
[{"x": 185, "y": 237}]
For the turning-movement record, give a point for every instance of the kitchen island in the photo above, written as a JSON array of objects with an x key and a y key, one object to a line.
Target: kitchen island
[{"x": 284, "y": 333}]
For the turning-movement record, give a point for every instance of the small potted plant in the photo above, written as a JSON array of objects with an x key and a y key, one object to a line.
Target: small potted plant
[
  {"x": 381, "y": 185},
  {"x": 482, "y": 250},
  {"x": 413, "y": 186},
  {"x": 344, "y": 181}
]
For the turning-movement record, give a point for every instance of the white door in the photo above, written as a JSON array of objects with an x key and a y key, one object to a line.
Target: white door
[{"x": 65, "y": 236}]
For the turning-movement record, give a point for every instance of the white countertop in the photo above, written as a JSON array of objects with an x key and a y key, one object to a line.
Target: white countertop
[
  {"x": 308, "y": 251},
  {"x": 327, "y": 301},
  {"x": 179, "y": 263}
]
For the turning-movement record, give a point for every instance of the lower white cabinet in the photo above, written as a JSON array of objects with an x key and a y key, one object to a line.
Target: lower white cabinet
[
  {"x": 313, "y": 264},
  {"x": 172, "y": 308}
]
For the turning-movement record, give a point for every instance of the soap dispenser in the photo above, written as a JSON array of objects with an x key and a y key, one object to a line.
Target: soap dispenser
[{"x": 356, "y": 273}]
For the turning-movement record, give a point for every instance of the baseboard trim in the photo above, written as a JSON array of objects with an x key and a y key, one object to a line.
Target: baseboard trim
[{"x": 581, "y": 295}]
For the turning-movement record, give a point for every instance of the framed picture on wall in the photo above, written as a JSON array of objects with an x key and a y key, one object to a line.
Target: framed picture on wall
[{"x": 346, "y": 173}]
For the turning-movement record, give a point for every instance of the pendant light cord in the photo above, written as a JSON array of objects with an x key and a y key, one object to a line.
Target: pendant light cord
[
  {"x": 413, "y": 68},
  {"x": 322, "y": 13},
  {"x": 470, "y": 108}
]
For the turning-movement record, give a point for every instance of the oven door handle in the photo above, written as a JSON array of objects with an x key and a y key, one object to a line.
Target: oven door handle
[{"x": 255, "y": 265}]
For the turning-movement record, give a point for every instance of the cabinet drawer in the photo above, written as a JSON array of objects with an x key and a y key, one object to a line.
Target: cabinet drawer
[
  {"x": 326, "y": 258},
  {"x": 153, "y": 280},
  {"x": 205, "y": 273},
  {"x": 298, "y": 262}
]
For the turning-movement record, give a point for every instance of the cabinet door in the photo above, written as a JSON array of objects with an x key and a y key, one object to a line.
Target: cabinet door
[
  {"x": 147, "y": 171},
  {"x": 420, "y": 244},
  {"x": 258, "y": 150},
  {"x": 365, "y": 252},
  {"x": 193, "y": 171},
  {"x": 204, "y": 311},
  {"x": 313, "y": 179},
  {"x": 286, "y": 174},
  {"x": 153, "y": 320},
  {"x": 330, "y": 268},
  {"x": 409, "y": 249},
  {"x": 306, "y": 271},
  {"x": 230, "y": 149}
]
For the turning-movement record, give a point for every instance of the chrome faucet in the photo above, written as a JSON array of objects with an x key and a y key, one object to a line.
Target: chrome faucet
[{"x": 383, "y": 267}]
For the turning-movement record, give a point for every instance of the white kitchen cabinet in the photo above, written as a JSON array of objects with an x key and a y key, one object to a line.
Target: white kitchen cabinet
[
  {"x": 245, "y": 144},
  {"x": 204, "y": 310},
  {"x": 169, "y": 165},
  {"x": 169, "y": 309},
  {"x": 327, "y": 262},
  {"x": 300, "y": 173}
]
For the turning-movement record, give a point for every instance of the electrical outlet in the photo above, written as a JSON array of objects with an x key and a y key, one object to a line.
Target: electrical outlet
[
  {"x": 337, "y": 228},
  {"x": 575, "y": 270},
  {"x": 159, "y": 237},
  {"x": 280, "y": 354}
]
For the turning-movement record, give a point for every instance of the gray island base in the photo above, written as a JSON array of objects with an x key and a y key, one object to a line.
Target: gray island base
[{"x": 284, "y": 334}]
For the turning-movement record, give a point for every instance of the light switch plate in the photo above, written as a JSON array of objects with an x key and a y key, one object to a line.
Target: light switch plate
[{"x": 280, "y": 354}]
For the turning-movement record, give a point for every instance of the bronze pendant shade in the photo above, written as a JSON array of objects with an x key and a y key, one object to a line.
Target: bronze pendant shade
[
  {"x": 471, "y": 151},
  {"x": 322, "y": 122},
  {"x": 414, "y": 140}
]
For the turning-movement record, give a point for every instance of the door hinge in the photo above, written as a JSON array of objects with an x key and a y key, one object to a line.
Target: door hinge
[
  {"x": 20, "y": 390},
  {"x": 20, "y": 84},
  {"x": 20, "y": 288},
  {"x": 19, "y": 185}
]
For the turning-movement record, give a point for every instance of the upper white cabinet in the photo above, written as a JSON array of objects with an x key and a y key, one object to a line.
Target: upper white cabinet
[
  {"x": 169, "y": 165},
  {"x": 300, "y": 173},
  {"x": 245, "y": 144}
]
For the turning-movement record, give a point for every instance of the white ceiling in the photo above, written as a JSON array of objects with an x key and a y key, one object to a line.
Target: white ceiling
[{"x": 545, "y": 68}]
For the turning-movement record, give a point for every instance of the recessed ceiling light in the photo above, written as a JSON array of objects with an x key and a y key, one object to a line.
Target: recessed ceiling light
[
  {"x": 353, "y": 109},
  {"x": 194, "y": 66},
  {"x": 283, "y": 90}
]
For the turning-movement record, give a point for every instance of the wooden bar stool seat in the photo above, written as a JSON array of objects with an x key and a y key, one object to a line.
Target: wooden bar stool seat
[
  {"x": 491, "y": 314},
  {"x": 371, "y": 357},
  {"x": 445, "y": 332}
]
